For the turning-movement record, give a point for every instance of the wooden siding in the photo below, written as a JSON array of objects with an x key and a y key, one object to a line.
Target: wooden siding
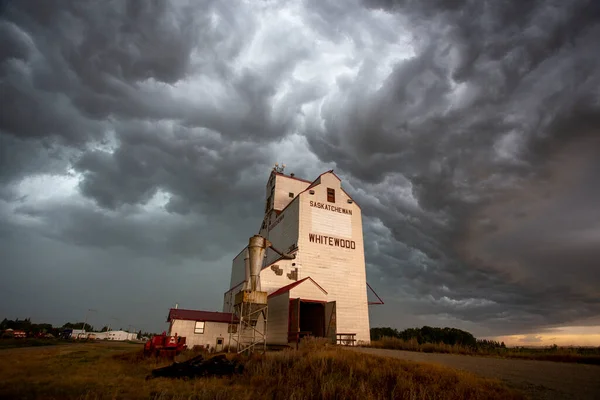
[
  {"x": 307, "y": 290},
  {"x": 283, "y": 187},
  {"x": 277, "y": 319},
  {"x": 212, "y": 331},
  {"x": 340, "y": 271},
  {"x": 278, "y": 275},
  {"x": 325, "y": 222},
  {"x": 238, "y": 271},
  {"x": 284, "y": 231}
]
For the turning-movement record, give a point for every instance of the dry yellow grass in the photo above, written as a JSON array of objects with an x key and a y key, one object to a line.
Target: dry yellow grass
[
  {"x": 114, "y": 371},
  {"x": 560, "y": 354}
]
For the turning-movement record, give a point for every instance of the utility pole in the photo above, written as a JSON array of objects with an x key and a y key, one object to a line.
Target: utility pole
[
  {"x": 85, "y": 319},
  {"x": 109, "y": 325}
]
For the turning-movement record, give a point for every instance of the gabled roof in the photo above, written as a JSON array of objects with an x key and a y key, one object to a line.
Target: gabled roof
[
  {"x": 198, "y": 315},
  {"x": 314, "y": 183},
  {"x": 290, "y": 177},
  {"x": 289, "y": 287}
]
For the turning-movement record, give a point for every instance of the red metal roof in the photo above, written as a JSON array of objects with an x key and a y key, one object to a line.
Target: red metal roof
[
  {"x": 197, "y": 315},
  {"x": 289, "y": 287}
]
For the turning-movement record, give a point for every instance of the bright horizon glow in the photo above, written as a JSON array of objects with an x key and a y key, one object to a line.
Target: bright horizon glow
[{"x": 561, "y": 336}]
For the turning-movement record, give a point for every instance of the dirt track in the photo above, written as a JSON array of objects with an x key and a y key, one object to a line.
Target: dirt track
[{"x": 538, "y": 379}]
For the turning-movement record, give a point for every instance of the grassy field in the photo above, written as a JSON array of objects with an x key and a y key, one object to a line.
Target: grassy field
[
  {"x": 14, "y": 343},
  {"x": 581, "y": 355},
  {"x": 116, "y": 371}
]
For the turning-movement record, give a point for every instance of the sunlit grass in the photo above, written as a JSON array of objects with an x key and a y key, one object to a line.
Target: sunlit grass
[
  {"x": 116, "y": 371},
  {"x": 561, "y": 354}
]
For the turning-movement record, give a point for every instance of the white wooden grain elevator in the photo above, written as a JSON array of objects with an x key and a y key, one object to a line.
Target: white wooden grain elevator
[{"x": 314, "y": 274}]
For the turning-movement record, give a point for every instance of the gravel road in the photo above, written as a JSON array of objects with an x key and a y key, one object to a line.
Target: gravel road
[{"x": 538, "y": 379}]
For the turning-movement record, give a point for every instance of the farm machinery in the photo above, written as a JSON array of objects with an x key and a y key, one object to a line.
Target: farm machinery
[{"x": 164, "y": 346}]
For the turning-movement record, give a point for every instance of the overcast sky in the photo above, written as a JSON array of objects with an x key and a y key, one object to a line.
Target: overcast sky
[{"x": 136, "y": 139}]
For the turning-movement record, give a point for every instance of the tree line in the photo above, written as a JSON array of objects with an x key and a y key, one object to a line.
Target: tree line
[
  {"x": 33, "y": 329},
  {"x": 428, "y": 334},
  {"x": 27, "y": 326}
]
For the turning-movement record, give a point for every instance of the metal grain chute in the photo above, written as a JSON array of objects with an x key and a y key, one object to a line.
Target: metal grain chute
[
  {"x": 255, "y": 254},
  {"x": 256, "y": 249},
  {"x": 247, "y": 270},
  {"x": 250, "y": 304}
]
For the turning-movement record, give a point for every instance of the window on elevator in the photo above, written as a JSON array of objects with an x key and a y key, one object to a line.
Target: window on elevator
[{"x": 330, "y": 195}]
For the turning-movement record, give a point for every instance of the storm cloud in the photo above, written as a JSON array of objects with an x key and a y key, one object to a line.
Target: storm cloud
[{"x": 136, "y": 140}]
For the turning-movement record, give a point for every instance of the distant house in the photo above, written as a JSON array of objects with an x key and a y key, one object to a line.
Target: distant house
[{"x": 200, "y": 328}]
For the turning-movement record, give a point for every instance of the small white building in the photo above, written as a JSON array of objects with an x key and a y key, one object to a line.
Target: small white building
[
  {"x": 81, "y": 334},
  {"x": 208, "y": 329},
  {"x": 116, "y": 335}
]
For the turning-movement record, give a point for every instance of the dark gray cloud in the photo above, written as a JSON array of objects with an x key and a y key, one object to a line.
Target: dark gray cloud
[
  {"x": 137, "y": 140},
  {"x": 488, "y": 103}
]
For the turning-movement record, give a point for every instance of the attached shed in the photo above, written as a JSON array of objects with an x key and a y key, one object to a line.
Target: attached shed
[
  {"x": 208, "y": 329},
  {"x": 300, "y": 309}
]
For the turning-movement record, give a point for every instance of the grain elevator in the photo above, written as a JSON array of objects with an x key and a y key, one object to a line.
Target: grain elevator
[{"x": 308, "y": 273}]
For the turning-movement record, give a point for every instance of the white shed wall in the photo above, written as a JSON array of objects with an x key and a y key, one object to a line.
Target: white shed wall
[{"x": 212, "y": 331}]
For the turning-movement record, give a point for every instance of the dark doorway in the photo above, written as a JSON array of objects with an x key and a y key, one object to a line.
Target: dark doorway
[{"x": 312, "y": 318}]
